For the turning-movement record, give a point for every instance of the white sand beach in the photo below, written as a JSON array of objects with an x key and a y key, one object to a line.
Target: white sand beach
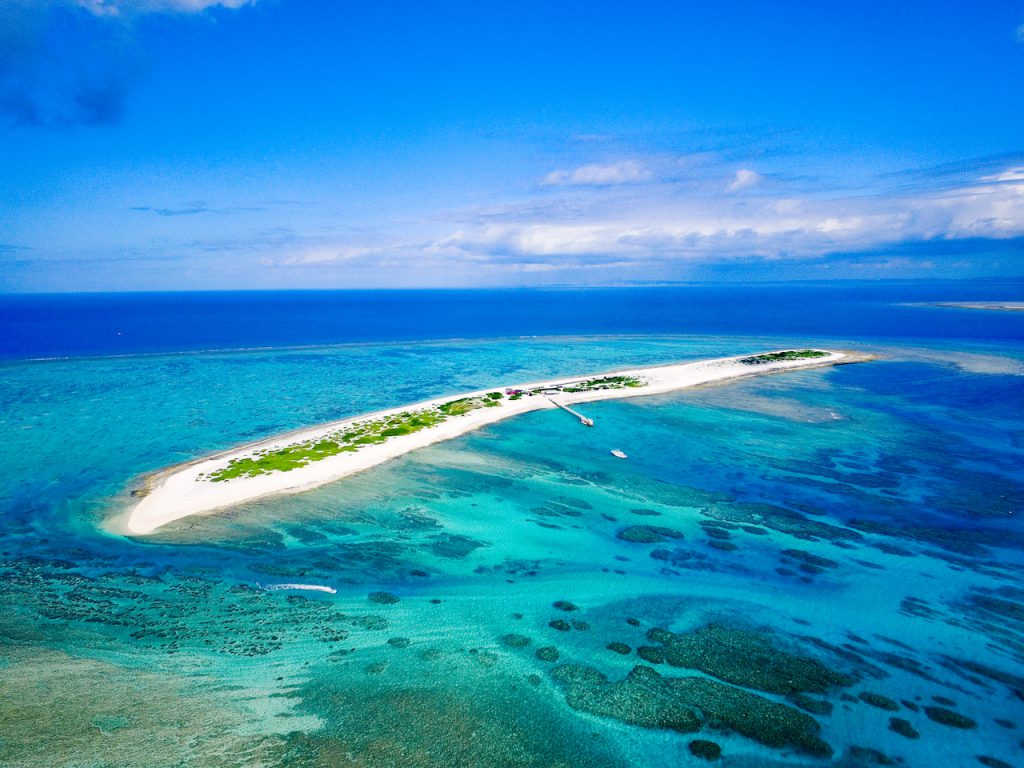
[{"x": 187, "y": 489}]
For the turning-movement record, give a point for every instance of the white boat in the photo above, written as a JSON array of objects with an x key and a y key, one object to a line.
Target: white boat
[{"x": 618, "y": 454}]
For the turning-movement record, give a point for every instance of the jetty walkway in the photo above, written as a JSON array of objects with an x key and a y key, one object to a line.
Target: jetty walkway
[{"x": 585, "y": 421}]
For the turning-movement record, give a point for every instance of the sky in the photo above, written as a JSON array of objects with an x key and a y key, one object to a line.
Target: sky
[{"x": 234, "y": 144}]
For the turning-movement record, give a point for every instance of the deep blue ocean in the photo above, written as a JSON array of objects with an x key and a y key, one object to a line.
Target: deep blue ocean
[
  {"x": 817, "y": 568},
  {"x": 74, "y": 325}
]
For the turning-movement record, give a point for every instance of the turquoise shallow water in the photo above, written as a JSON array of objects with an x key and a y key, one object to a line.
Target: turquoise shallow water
[{"x": 811, "y": 567}]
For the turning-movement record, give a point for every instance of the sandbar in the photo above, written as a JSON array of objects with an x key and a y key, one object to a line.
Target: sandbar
[
  {"x": 247, "y": 473},
  {"x": 992, "y": 306}
]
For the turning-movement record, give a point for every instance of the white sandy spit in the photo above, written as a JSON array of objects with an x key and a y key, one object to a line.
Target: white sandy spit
[{"x": 186, "y": 490}]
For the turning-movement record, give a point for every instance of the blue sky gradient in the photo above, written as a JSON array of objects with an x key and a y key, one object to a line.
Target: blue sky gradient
[{"x": 192, "y": 144}]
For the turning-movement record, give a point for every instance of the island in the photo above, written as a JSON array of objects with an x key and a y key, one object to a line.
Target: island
[
  {"x": 311, "y": 457},
  {"x": 995, "y": 306}
]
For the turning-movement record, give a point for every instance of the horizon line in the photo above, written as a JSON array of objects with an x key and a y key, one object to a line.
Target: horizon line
[{"x": 525, "y": 287}]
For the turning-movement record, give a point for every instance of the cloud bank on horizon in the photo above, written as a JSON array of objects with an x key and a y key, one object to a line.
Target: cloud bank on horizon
[
  {"x": 232, "y": 143},
  {"x": 683, "y": 223},
  {"x": 664, "y": 224}
]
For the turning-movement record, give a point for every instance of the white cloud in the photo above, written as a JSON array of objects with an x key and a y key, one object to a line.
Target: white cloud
[
  {"x": 993, "y": 208},
  {"x": 1020, "y": 34},
  {"x": 709, "y": 229},
  {"x": 623, "y": 233},
  {"x": 1010, "y": 174},
  {"x": 625, "y": 172},
  {"x": 744, "y": 178},
  {"x": 126, "y": 7},
  {"x": 325, "y": 255}
]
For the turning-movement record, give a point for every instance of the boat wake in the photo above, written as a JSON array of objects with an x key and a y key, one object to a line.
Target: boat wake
[{"x": 307, "y": 587}]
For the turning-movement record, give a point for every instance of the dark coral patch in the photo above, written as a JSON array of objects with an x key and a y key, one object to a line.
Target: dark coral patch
[
  {"x": 808, "y": 704},
  {"x": 778, "y": 519},
  {"x": 651, "y": 654},
  {"x": 746, "y": 658},
  {"x": 724, "y": 546},
  {"x": 454, "y": 547},
  {"x": 944, "y": 716},
  {"x": 513, "y": 640},
  {"x": 548, "y": 653},
  {"x": 903, "y": 728},
  {"x": 704, "y": 749},
  {"x": 817, "y": 563},
  {"x": 869, "y": 756},
  {"x": 717, "y": 533},
  {"x": 879, "y": 701},
  {"x": 643, "y": 698},
  {"x": 685, "y": 704},
  {"x": 648, "y": 534},
  {"x": 993, "y": 762}
]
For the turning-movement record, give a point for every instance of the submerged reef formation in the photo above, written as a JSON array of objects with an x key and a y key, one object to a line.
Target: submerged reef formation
[
  {"x": 745, "y": 667},
  {"x": 702, "y": 748},
  {"x": 953, "y": 719},
  {"x": 648, "y": 534},
  {"x": 687, "y": 704},
  {"x": 746, "y": 658}
]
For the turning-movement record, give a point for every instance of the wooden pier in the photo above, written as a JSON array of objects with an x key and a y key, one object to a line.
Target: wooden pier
[{"x": 586, "y": 422}]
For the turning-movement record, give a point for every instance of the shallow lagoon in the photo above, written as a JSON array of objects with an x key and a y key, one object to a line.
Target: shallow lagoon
[{"x": 817, "y": 548}]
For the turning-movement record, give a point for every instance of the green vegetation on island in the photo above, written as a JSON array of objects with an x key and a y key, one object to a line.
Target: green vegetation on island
[
  {"x": 604, "y": 382},
  {"x": 466, "y": 404},
  {"x": 379, "y": 430},
  {"x": 349, "y": 440},
  {"x": 789, "y": 354}
]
